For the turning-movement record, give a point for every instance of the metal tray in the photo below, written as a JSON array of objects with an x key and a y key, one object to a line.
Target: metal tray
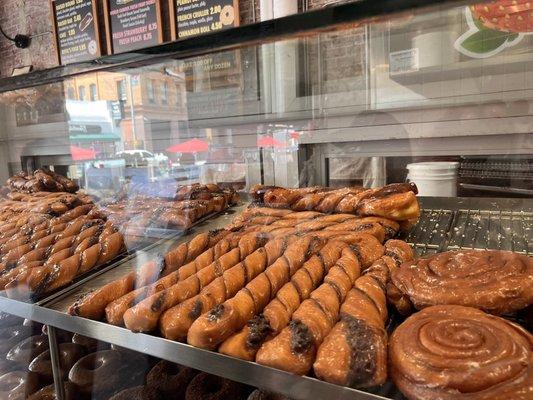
[{"x": 436, "y": 232}]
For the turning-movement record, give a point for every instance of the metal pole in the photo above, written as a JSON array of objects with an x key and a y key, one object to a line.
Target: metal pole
[{"x": 56, "y": 367}]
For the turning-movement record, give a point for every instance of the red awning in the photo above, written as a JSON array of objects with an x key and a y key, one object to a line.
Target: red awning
[
  {"x": 190, "y": 146},
  {"x": 269, "y": 141},
  {"x": 80, "y": 154}
]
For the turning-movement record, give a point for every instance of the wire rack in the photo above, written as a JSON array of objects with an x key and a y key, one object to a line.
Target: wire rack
[{"x": 490, "y": 227}]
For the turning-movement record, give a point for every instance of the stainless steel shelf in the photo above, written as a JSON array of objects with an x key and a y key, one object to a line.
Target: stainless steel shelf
[{"x": 246, "y": 372}]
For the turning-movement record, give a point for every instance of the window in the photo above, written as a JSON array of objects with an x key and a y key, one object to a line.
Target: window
[
  {"x": 164, "y": 93},
  {"x": 93, "y": 93},
  {"x": 81, "y": 93},
  {"x": 179, "y": 88},
  {"x": 150, "y": 90},
  {"x": 121, "y": 90},
  {"x": 71, "y": 93}
]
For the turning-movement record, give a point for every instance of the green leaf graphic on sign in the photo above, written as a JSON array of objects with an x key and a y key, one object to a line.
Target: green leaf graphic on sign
[{"x": 485, "y": 41}]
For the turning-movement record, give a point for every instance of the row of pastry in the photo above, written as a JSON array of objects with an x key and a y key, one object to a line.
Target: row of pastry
[
  {"x": 47, "y": 239},
  {"x": 307, "y": 291}
]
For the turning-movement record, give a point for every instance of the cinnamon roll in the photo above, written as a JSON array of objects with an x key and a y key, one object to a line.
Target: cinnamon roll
[
  {"x": 456, "y": 352},
  {"x": 497, "y": 282}
]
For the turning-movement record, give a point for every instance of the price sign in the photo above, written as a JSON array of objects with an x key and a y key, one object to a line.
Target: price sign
[
  {"x": 132, "y": 24},
  {"x": 76, "y": 30},
  {"x": 197, "y": 17}
]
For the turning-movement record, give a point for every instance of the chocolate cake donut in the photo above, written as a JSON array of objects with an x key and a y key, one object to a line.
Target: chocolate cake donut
[
  {"x": 139, "y": 393},
  {"x": 9, "y": 320},
  {"x": 263, "y": 395},
  {"x": 456, "y": 352},
  {"x": 498, "y": 282},
  {"x": 98, "y": 372},
  {"x": 28, "y": 349},
  {"x": 18, "y": 385},
  {"x": 91, "y": 345},
  {"x": 170, "y": 379},
  {"x": 69, "y": 353},
  {"x": 211, "y": 387},
  {"x": 49, "y": 393},
  {"x": 12, "y": 335}
]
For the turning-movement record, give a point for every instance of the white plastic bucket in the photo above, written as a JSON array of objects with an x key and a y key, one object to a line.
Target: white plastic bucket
[{"x": 438, "y": 178}]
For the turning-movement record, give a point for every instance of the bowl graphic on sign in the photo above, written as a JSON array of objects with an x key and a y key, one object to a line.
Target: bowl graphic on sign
[{"x": 227, "y": 15}]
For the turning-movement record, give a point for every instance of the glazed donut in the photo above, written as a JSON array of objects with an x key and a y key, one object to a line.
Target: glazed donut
[
  {"x": 28, "y": 349},
  {"x": 18, "y": 385},
  {"x": 49, "y": 393},
  {"x": 12, "y": 335},
  {"x": 91, "y": 345},
  {"x": 169, "y": 379},
  {"x": 456, "y": 352},
  {"x": 98, "y": 371},
  {"x": 138, "y": 393},
  {"x": 211, "y": 387},
  {"x": 69, "y": 353},
  {"x": 498, "y": 282},
  {"x": 262, "y": 395}
]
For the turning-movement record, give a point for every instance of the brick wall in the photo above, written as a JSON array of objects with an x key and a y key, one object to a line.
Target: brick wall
[
  {"x": 27, "y": 17},
  {"x": 34, "y": 17}
]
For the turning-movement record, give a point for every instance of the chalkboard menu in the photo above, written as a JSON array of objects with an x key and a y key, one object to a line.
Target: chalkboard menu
[
  {"x": 132, "y": 24},
  {"x": 196, "y": 17},
  {"x": 76, "y": 30}
]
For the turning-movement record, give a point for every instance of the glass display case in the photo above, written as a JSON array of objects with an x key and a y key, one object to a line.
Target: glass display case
[{"x": 179, "y": 201}]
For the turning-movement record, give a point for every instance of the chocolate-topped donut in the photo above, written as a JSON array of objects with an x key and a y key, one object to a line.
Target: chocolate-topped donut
[
  {"x": 49, "y": 393},
  {"x": 98, "y": 372},
  {"x": 28, "y": 349},
  {"x": 69, "y": 353},
  {"x": 138, "y": 393},
  {"x": 91, "y": 345},
  {"x": 455, "y": 353},
  {"x": 498, "y": 282},
  {"x": 12, "y": 335},
  {"x": 18, "y": 385},
  {"x": 170, "y": 379},
  {"x": 211, "y": 387}
]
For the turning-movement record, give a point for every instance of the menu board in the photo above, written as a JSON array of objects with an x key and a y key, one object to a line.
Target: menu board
[
  {"x": 197, "y": 17},
  {"x": 76, "y": 30},
  {"x": 132, "y": 24}
]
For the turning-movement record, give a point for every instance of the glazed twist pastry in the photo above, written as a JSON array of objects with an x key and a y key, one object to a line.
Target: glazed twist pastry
[
  {"x": 498, "y": 282},
  {"x": 397, "y": 201},
  {"x": 66, "y": 266},
  {"x": 294, "y": 348},
  {"x": 354, "y": 352},
  {"x": 218, "y": 324},
  {"x": 455, "y": 352},
  {"x": 50, "y": 249},
  {"x": 238, "y": 249},
  {"x": 143, "y": 317},
  {"x": 186, "y": 252},
  {"x": 93, "y": 304},
  {"x": 277, "y": 314},
  {"x": 284, "y": 253}
]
